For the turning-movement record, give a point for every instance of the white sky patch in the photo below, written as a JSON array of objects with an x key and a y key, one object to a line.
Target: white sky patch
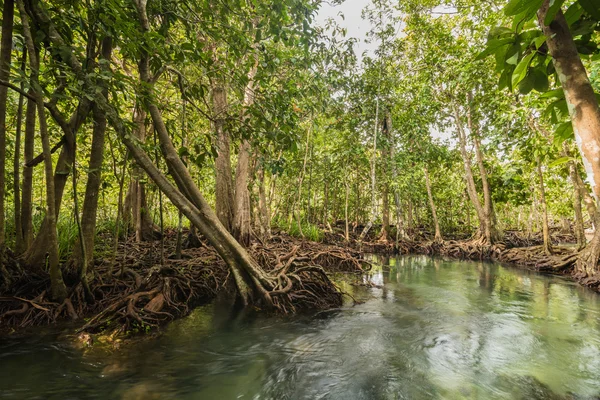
[{"x": 356, "y": 26}]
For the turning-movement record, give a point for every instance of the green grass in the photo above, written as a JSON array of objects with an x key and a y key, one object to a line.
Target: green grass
[{"x": 310, "y": 231}]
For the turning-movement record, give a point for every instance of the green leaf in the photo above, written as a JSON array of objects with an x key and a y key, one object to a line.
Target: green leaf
[
  {"x": 527, "y": 7},
  {"x": 560, "y": 161},
  {"x": 556, "y": 93},
  {"x": 521, "y": 70},
  {"x": 504, "y": 81},
  {"x": 563, "y": 132},
  {"x": 555, "y": 6},
  {"x": 592, "y": 7},
  {"x": 573, "y": 13},
  {"x": 492, "y": 46},
  {"x": 540, "y": 81},
  {"x": 527, "y": 84},
  {"x": 512, "y": 55},
  {"x": 498, "y": 31},
  {"x": 539, "y": 41}
]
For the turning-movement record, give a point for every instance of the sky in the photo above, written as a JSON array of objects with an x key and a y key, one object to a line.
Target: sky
[{"x": 355, "y": 25}]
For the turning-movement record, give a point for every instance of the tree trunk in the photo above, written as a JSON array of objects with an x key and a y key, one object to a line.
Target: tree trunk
[
  {"x": 19, "y": 239},
  {"x": 264, "y": 214},
  {"x": 242, "y": 223},
  {"x": 387, "y": 174},
  {"x": 83, "y": 253},
  {"x": 27, "y": 189},
  {"x": 373, "y": 175},
  {"x": 590, "y": 204},
  {"x": 136, "y": 206},
  {"x": 491, "y": 232},
  {"x": 545, "y": 227},
  {"x": 224, "y": 176},
  {"x": 35, "y": 253},
  {"x": 579, "y": 228},
  {"x": 5, "y": 57},
  {"x": 347, "y": 231},
  {"x": 584, "y": 111},
  {"x": 438, "y": 233},
  {"x": 470, "y": 182},
  {"x": 58, "y": 289}
]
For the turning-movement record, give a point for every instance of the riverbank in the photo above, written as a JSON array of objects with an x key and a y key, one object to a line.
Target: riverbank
[
  {"x": 138, "y": 292},
  {"x": 147, "y": 285},
  {"x": 516, "y": 249}
]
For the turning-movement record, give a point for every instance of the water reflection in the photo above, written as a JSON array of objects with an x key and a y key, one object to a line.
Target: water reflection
[{"x": 430, "y": 329}]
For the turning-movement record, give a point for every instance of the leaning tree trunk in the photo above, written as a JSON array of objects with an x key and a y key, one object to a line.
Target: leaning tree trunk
[
  {"x": 224, "y": 177},
  {"x": 58, "y": 289},
  {"x": 584, "y": 111},
  {"x": 438, "y": 233},
  {"x": 5, "y": 56}
]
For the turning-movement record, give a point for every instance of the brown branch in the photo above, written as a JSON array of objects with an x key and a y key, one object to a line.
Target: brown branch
[{"x": 40, "y": 158}]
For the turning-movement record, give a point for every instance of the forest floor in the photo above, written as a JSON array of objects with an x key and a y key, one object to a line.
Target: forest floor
[{"x": 143, "y": 288}]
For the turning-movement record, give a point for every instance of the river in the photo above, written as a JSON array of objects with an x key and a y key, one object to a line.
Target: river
[{"x": 428, "y": 329}]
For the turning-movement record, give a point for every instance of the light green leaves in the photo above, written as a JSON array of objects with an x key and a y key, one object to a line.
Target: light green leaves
[{"x": 493, "y": 46}]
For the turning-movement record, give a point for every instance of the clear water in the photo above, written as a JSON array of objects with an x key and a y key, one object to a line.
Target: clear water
[{"x": 435, "y": 329}]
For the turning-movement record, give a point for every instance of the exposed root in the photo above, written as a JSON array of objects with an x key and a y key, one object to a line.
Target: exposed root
[{"x": 138, "y": 294}]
